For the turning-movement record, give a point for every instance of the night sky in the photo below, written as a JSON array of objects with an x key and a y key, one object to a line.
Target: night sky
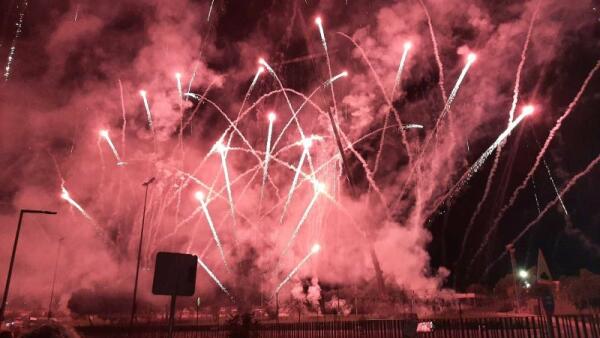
[{"x": 64, "y": 80}]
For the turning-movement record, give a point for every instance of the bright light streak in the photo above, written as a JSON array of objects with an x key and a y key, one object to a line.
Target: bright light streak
[
  {"x": 330, "y": 81},
  {"x": 222, "y": 150},
  {"x": 148, "y": 114},
  {"x": 104, "y": 134},
  {"x": 307, "y": 142},
  {"x": 179, "y": 89},
  {"x": 314, "y": 250},
  {"x": 477, "y": 165},
  {"x": 319, "y": 188},
  {"x": 200, "y": 197},
  {"x": 407, "y": 47},
  {"x": 215, "y": 279},
  {"x": 271, "y": 117},
  {"x": 67, "y": 197}
]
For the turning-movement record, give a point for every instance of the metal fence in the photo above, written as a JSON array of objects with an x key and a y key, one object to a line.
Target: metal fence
[{"x": 587, "y": 326}]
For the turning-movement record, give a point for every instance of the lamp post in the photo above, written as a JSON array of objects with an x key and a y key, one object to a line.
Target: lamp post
[
  {"x": 60, "y": 240},
  {"x": 139, "y": 255},
  {"x": 14, "y": 252}
]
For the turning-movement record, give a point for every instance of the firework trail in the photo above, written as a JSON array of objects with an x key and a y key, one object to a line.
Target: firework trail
[
  {"x": 271, "y": 118},
  {"x": 13, "y": 47},
  {"x": 67, "y": 197},
  {"x": 383, "y": 93},
  {"x": 470, "y": 59},
  {"x": 407, "y": 47},
  {"x": 537, "y": 202},
  {"x": 260, "y": 70},
  {"x": 124, "y": 117},
  {"x": 214, "y": 278},
  {"x": 511, "y": 113},
  {"x": 307, "y": 99},
  {"x": 486, "y": 191},
  {"x": 562, "y": 204},
  {"x": 179, "y": 88},
  {"x": 104, "y": 134},
  {"x": 306, "y": 143},
  {"x": 201, "y": 198},
  {"x": 319, "y": 188},
  {"x": 538, "y": 158},
  {"x": 330, "y": 81},
  {"x": 222, "y": 150},
  {"x": 210, "y": 10},
  {"x": 436, "y": 52},
  {"x": 314, "y": 250},
  {"x": 547, "y": 208},
  {"x": 148, "y": 114},
  {"x": 528, "y": 110}
]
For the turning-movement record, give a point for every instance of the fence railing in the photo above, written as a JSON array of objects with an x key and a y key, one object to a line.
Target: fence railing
[{"x": 585, "y": 326}]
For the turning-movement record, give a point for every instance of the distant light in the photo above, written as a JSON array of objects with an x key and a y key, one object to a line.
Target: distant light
[
  {"x": 471, "y": 57},
  {"x": 315, "y": 248},
  {"x": 527, "y": 285},
  {"x": 523, "y": 274},
  {"x": 272, "y": 117},
  {"x": 318, "y": 20},
  {"x": 407, "y": 45}
]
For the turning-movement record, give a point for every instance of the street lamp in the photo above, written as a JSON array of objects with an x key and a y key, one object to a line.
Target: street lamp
[
  {"x": 523, "y": 274},
  {"x": 14, "y": 252},
  {"x": 137, "y": 270}
]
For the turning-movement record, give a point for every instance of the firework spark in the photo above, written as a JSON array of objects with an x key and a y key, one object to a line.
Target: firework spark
[
  {"x": 67, "y": 197},
  {"x": 148, "y": 114},
  {"x": 179, "y": 88},
  {"x": 105, "y": 135}
]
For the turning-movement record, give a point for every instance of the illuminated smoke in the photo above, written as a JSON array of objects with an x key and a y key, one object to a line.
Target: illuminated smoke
[
  {"x": 313, "y": 251},
  {"x": 319, "y": 189}
]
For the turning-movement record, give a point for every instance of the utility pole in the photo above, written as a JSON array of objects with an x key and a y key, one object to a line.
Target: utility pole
[
  {"x": 14, "y": 253},
  {"x": 139, "y": 255}
]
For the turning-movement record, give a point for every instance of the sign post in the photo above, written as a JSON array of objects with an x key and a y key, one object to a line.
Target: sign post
[{"x": 174, "y": 275}]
